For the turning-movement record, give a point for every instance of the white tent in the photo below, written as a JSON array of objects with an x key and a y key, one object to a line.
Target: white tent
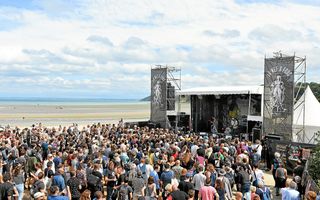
[{"x": 307, "y": 114}]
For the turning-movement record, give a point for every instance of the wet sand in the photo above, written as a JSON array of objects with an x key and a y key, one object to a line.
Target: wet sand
[{"x": 53, "y": 115}]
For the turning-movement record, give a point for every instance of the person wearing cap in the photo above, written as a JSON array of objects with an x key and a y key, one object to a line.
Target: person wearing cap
[
  {"x": 226, "y": 182},
  {"x": 39, "y": 196}
]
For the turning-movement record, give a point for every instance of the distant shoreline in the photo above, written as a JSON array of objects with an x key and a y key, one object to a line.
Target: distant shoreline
[{"x": 52, "y": 115}]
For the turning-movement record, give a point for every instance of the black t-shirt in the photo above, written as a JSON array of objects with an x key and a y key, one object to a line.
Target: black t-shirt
[
  {"x": 98, "y": 174},
  {"x": 298, "y": 170},
  {"x": 179, "y": 195},
  {"x": 48, "y": 173},
  {"x": 111, "y": 175},
  {"x": 244, "y": 177},
  {"x": 74, "y": 183},
  {"x": 185, "y": 186},
  {"x": 6, "y": 190}
]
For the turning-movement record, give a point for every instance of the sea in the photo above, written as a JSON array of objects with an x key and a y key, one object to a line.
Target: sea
[{"x": 66, "y": 101}]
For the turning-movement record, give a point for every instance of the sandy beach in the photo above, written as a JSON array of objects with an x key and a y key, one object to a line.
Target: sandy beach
[{"x": 53, "y": 115}]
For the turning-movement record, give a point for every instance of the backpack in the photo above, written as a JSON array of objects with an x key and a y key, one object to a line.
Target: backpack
[
  {"x": 265, "y": 194},
  {"x": 230, "y": 177},
  {"x": 276, "y": 164},
  {"x": 143, "y": 169},
  {"x": 92, "y": 180},
  {"x": 132, "y": 174},
  {"x": 123, "y": 192}
]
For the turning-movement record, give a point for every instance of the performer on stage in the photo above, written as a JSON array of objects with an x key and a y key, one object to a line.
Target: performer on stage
[{"x": 213, "y": 126}]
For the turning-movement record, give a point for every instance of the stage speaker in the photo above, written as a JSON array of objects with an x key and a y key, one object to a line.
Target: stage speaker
[
  {"x": 274, "y": 137},
  {"x": 183, "y": 120},
  {"x": 256, "y": 134},
  {"x": 171, "y": 97}
]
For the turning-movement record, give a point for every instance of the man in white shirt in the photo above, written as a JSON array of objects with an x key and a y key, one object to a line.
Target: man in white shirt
[
  {"x": 257, "y": 145},
  {"x": 198, "y": 180}
]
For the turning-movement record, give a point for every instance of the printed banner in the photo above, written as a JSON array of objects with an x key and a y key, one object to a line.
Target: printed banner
[
  {"x": 278, "y": 96},
  {"x": 158, "y": 95}
]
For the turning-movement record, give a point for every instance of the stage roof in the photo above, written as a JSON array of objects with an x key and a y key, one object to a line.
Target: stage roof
[{"x": 222, "y": 90}]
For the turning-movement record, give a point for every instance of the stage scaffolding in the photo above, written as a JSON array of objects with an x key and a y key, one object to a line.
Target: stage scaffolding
[
  {"x": 300, "y": 86},
  {"x": 172, "y": 101}
]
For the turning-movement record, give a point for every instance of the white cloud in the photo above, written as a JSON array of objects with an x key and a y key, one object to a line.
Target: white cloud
[{"x": 116, "y": 42}]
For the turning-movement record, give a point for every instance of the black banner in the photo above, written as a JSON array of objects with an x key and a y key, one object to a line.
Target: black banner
[
  {"x": 278, "y": 96},
  {"x": 159, "y": 95}
]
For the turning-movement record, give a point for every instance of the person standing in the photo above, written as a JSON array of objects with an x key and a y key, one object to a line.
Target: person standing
[
  {"x": 138, "y": 185},
  {"x": 281, "y": 177},
  {"x": 219, "y": 186},
  {"x": 207, "y": 192},
  {"x": 55, "y": 194},
  {"x": 263, "y": 191},
  {"x": 18, "y": 179},
  {"x": 244, "y": 178},
  {"x": 6, "y": 188},
  {"x": 73, "y": 186},
  {"x": 291, "y": 193},
  {"x": 198, "y": 180}
]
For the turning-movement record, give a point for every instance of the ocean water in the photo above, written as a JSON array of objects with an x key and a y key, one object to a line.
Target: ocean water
[{"x": 65, "y": 101}]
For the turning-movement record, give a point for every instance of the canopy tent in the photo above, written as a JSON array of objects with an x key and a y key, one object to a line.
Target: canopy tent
[
  {"x": 223, "y": 90},
  {"x": 306, "y": 111}
]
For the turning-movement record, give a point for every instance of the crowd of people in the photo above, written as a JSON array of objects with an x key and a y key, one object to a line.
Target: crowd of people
[{"x": 103, "y": 161}]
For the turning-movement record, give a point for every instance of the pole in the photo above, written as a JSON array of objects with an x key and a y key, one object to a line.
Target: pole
[{"x": 249, "y": 105}]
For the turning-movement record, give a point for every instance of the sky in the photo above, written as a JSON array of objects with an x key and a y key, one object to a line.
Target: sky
[{"x": 106, "y": 48}]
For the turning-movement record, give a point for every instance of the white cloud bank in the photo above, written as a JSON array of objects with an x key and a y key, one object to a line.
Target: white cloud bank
[{"x": 105, "y": 48}]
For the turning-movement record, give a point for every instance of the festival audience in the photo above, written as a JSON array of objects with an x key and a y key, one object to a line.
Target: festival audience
[{"x": 110, "y": 162}]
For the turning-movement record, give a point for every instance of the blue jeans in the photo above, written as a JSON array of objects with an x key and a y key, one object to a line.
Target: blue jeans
[
  {"x": 20, "y": 188},
  {"x": 246, "y": 191}
]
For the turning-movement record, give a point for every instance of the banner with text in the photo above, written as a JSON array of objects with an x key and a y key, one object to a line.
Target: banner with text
[
  {"x": 159, "y": 95},
  {"x": 278, "y": 96}
]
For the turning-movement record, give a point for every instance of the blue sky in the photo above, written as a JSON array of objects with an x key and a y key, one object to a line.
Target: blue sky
[{"x": 105, "y": 48}]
